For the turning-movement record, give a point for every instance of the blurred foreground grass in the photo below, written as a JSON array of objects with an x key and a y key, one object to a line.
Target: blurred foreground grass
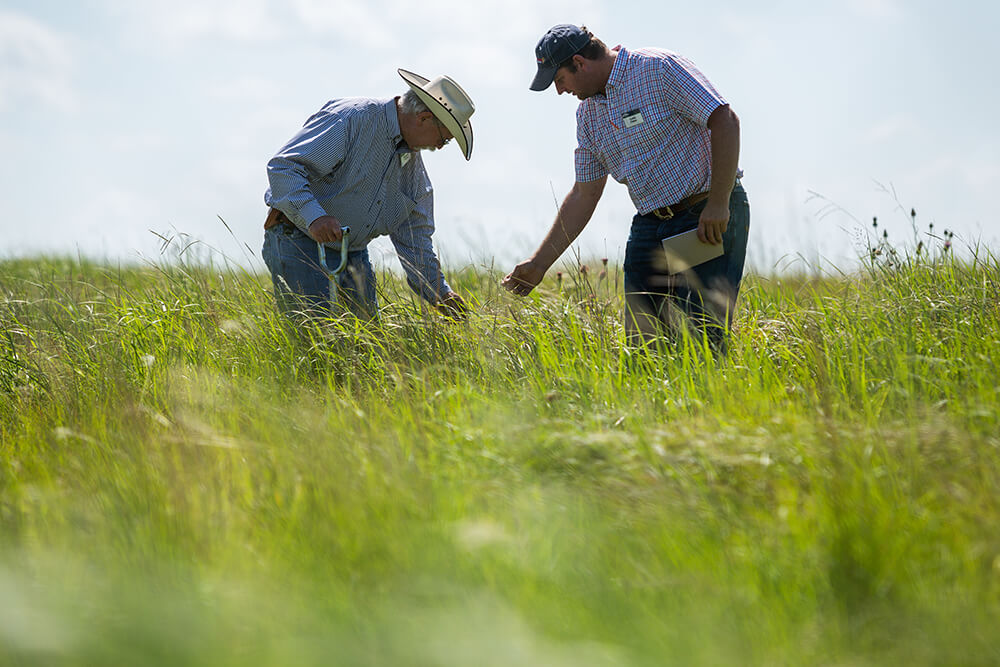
[{"x": 186, "y": 478}]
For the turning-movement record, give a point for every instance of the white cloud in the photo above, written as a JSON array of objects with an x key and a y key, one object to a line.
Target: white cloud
[
  {"x": 36, "y": 64},
  {"x": 487, "y": 20},
  {"x": 235, "y": 171},
  {"x": 177, "y": 23},
  {"x": 962, "y": 173},
  {"x": 243, "y": 89},
  {"x": 355, "y": 22},
  {"x": 892, "y": 128},
  {"x": 470, "y": 34},
  {"x": 138, "y": 143},
  {"x": 883, "y": 10}
]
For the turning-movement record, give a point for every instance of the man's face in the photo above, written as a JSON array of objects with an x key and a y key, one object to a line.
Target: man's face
[
  {"x": 431, "y": 133},
  {"x": 580, "y": 83}
]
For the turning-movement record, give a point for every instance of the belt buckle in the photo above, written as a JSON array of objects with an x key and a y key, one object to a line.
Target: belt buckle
[{"x": 664, "y": 216}]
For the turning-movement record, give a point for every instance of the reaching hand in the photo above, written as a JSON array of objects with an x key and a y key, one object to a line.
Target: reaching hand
[
  {"x": 453, "y": 305},
  {"x": 523, "y": 278}
]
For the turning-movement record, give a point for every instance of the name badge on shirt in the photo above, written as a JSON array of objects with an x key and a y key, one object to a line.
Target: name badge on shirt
[
  {"x": 404, "y": 158},
  {"x": 632, "y": 118}
]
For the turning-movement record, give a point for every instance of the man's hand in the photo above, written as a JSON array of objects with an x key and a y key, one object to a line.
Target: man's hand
[
  {"x": 523, "y": 278},
  {"x": 713, "y": 222},
  {"x": 453, "y": 305},
  {"x": 724, "y": 126},
  {"x": 325, "y": 229}
]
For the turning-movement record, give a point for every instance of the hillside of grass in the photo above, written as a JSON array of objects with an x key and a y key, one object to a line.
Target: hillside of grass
[{"x": 188, "y": 477}]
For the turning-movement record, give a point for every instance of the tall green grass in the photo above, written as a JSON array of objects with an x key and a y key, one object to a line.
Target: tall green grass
[{"x": 187, "y": 477}]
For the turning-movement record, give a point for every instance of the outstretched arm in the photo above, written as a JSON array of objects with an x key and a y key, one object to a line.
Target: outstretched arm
[
  {"x": 415, "y": 249},
  {"x": 573, "y": 216}
]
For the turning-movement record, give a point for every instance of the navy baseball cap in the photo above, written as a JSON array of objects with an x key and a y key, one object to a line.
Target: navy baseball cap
[{"x": 559, "y": 44}]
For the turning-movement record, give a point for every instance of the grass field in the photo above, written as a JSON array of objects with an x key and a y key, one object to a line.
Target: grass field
[{"x": 187, "y": 478}]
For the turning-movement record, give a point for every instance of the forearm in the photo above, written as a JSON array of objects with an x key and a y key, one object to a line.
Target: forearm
[
  {"x": 725, "y": 132},
  {"x": 290, "y": 192},
  {"x": 415, "y": 248},
  {"x": 427, "y": 281},
  {"x": 573, "y": 216}
]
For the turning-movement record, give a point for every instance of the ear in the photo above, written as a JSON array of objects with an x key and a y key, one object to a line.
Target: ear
[{"x": 580, "y": 62}]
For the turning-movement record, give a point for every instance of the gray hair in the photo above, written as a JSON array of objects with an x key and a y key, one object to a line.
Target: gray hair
[{"x": 411, "y": 105}]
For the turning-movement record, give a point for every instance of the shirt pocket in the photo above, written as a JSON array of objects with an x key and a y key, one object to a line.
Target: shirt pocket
[{"x": 647, "y": 129}]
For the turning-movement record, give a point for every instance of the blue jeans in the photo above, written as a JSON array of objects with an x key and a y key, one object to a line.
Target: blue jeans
[
  {"x": 705, "y": 296},
  {"x": 301, "y": 286}
]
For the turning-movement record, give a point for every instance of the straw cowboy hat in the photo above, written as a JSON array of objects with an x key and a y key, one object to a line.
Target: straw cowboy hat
[{"x": 449, "y": 104}]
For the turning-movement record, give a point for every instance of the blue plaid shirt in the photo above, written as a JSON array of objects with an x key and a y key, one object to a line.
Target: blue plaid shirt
[
  {"x": 349, "y": 161},
  {"x": 650, "y": 131}
]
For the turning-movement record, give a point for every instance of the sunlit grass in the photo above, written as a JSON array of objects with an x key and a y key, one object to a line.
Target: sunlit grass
[{"x": 188, "y": 477}]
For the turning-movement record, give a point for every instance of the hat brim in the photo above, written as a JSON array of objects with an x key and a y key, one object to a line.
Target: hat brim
[
  {"x": 461, "y": 131},
  {"x": 543, "y": 79}
]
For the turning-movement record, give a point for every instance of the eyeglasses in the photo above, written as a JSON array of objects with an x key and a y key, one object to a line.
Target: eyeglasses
[{"x": 440, "y": 125}]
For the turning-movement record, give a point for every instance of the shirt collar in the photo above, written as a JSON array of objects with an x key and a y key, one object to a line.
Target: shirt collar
[
  {"x": 617, "y": 76},
  {"x": 392, "y": 123}
]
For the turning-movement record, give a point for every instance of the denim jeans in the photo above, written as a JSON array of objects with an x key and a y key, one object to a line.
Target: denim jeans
[
  {"x": 301, "y": 286},
  {"x": 658, "y": 303}
]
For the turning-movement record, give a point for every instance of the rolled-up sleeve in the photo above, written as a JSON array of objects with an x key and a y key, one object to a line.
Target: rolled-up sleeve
[{"x": 315, "y": 152}]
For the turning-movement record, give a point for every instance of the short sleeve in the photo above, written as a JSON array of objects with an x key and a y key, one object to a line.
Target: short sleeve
[{"x": 586, "y": 159}]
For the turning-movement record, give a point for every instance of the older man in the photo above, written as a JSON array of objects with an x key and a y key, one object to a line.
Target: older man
[
  {"x": 356, "y": 163},
  {"x": 651, "y": 120}
]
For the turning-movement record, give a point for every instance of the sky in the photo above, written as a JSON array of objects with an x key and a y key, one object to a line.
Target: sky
[{"x": 125, "y": 121}]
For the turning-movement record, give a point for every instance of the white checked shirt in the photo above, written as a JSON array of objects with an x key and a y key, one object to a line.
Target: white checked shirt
[
  {"x": 349, "y": 161},
  {"x": 650, "y": 131}
]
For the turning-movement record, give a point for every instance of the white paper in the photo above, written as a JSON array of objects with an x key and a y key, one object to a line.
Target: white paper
[{"x": 684, "y": 251}]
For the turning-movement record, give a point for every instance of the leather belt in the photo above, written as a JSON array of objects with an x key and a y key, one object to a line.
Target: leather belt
[
  {"x": 275, "y": 218},
  {"x": 672, "y": 211}
]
